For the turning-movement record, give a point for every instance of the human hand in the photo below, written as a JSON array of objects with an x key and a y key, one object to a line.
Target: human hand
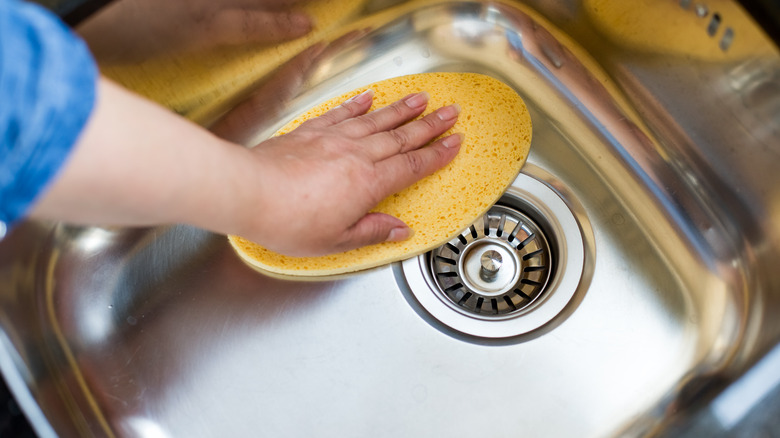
[
  {"x": 134, "y": 30},
  {"x": 265, "y": 103},
  {"x": 307, "y": 193}
]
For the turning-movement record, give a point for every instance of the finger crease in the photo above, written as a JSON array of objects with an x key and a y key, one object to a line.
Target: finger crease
[
  {"x": 416, "y": 164},
  {"x": 370, "y": 123},
  {"x": 400, "y": 138}
]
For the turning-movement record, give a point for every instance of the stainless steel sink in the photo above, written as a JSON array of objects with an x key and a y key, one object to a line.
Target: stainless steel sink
[{"x": 661, "y": 162}]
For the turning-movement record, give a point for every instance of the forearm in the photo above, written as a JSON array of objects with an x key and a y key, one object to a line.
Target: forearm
[
  {"x": 137, "y": 163},
  {"x": 134, "y": 163},
  {"x": 304, "y": 193}
]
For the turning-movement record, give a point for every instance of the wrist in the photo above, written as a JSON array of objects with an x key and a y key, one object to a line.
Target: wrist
[{"x": 232, "y": 193}]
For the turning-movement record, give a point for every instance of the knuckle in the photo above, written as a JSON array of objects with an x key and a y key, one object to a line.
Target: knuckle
[
  {"x": 431, "y": 122},
  {"x": 398, "y": 110},
  {"x": 350, "y": 107},
  {"x": 366, "y": 232},
  {"x": 415, "y": 163},
  {"x": 400, "y": 138},
  {"x": 347, "y": 241},
  {"x": 306, "y": 133},
  {"x": 342, "y": 243},
  {"x": 326, "y": 118},
  {"x": 369, "y": 123}
]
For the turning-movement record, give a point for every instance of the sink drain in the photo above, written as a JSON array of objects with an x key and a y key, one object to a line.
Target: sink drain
[
  {"x": 498, "y": 266},
  {"x": 512, "y": 271}
]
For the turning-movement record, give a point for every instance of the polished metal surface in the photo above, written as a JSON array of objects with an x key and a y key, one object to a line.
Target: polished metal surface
[
  {"x": 554, "y": 253},
  {"x": 654, "y": 159},
  {"x": 497, "y": 266},
  {"x": 490, "y": 262}
]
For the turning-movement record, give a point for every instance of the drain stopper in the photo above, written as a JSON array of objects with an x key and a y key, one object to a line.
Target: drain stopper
[
  {"x": 489, "y": 266},
  {"x": 491, "y": 262},
  {"x": 498, "y": 266},
  {"x": 513, "y": 271}
]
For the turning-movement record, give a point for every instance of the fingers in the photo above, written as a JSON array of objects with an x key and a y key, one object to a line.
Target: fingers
[
  {"x": 415, "y": 134},
  {"x": 396, "y": 174},
  {"x": 385, "y": 118},
  {"x": 375, "y": 228},
  {"x": 239, "y": 125},
  {"x": 402, "y": 170},
  {"x": 353, "y": 107},
  {"x": 351, "y": 120}
]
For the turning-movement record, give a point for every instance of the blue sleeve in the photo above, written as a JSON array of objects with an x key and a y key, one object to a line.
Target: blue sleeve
[{"x": 47, "y": 91}]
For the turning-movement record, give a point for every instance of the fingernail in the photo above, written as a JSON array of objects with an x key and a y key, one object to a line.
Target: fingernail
[
  {"x": 363, "y": 97},
  {"x": 453, "y": 140},
  {"x": 417, "y": 100},
  {"x": 400, "y": 234},
  {"x": 448, "y": 112}
]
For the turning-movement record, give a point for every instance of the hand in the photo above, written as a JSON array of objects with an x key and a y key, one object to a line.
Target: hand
[
  {"x": 308, "y": 192},
  {"x": 264, "y": 104},
  {"x": 135, "y": 30},
  {"x": 305, "y": 193}
]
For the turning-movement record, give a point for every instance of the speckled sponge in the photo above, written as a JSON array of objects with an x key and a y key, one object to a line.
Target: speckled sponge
[{"x": 497, "y": 128}]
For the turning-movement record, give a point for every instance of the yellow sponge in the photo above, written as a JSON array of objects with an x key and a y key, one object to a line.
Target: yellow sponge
[
  {"x": 667, "y": 28},
  {"x": 497, "y": 128},
  {"x": 202, "y": 84}
]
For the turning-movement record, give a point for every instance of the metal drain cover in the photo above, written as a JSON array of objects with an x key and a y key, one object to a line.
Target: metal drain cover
[
  {"x": 512, "y": 272},
  {"x": 498, "y": 266}
]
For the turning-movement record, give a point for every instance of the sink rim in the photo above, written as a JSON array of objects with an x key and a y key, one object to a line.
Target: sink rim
[{"x": 726, "y": 359}]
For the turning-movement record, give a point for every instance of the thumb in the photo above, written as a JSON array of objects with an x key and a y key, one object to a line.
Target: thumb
[{"x": 376, "y": 228}]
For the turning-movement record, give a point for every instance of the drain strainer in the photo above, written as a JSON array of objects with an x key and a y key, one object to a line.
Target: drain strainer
[
  {"x": 512, "y": 271},
  {"x": 498, "y": 266}
]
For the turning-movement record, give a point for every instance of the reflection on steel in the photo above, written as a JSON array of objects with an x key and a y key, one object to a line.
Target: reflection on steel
[
  {"x": 491, "y": 262},
  {"x": 533, "y": 290},
  {"x": 671, "y": 157}
]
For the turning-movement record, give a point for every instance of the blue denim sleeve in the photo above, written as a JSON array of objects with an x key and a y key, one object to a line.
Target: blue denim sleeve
[{"x": 47, "y": 91}]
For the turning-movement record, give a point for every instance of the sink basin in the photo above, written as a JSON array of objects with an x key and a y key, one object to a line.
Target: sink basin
[{"x": 663, "y": 163}]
